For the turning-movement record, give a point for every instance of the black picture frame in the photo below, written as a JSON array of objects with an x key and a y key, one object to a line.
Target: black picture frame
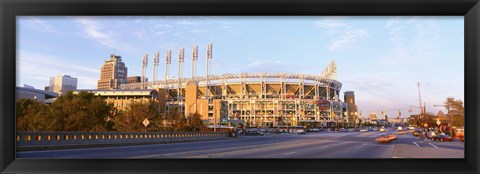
[{"x": 9, "y": 9}]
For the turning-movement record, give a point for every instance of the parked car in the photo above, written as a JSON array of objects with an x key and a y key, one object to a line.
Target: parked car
[
  {"x": 343, "y": 130},
  {"x": 399, "y": 128},
  {"x": 442, "y": 138},
  {"x": 375, "y": 129}
]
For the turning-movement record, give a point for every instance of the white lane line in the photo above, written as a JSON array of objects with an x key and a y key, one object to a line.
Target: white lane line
[
  {"x": 289, "y": 153},
  {"x": 416, "y": 144},
  {"x": 432, "y": 145}
]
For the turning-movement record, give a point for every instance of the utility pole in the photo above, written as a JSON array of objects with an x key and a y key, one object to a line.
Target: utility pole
[{"x": 420, "y": 100}]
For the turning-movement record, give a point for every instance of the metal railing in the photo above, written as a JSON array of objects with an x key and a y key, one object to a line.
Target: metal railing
[{"x": 29, "y": 139}]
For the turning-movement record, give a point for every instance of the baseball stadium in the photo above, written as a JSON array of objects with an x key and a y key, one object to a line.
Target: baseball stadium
[{"x": 255, "y": 99}]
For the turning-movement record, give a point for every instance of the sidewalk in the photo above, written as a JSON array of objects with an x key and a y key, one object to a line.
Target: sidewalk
[{"x": 413, "y": 151}]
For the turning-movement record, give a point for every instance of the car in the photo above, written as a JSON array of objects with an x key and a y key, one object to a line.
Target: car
[
  {"x": 382, "y": 129},
  {"x": 386, "y": 138},
  {"x": 313, "y": 130},
  {"x": 411, "y": 128},
  {"x": 401, "y": 132},
  {"x": 254, "y": 132},
  {"x": 375, "y": 129},
  {"x": 431, "y": 134},
  {"x": 416, "y": 132},
  {"x": 300, "y": 131},
  {"x": 357, "y": 129},
  {"x": 400, "y": 128},
  {"x": 343, "y": 130},
  {"x": 442, "y": 138},
  {"x": 391, "y": 136},
  {"x": 460, "y": 134},
  {"x": 363, "y": 130}
]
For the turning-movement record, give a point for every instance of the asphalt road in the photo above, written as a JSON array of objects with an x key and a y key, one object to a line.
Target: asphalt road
[{"x": 310, "y": 145}]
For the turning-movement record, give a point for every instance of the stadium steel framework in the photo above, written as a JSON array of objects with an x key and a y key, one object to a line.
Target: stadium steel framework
[{"x": 257, "y": 99}]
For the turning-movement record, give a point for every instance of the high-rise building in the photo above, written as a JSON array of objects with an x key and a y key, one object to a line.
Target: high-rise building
[
  {"x": 61, "y": 84},
  {"x": 352, "y": 109},
  {"x": 113, "y": 73}
]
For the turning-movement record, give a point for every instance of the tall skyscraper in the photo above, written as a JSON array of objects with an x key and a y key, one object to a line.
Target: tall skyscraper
[
  {"x": 113, "y": 73},
  {"x": 61, "y": 84}
]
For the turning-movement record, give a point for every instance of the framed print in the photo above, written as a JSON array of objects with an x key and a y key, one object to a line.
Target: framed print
[{"x": 240, "y": 86}]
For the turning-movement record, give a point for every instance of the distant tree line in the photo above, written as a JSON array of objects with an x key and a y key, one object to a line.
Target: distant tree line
[
  {"x": 86, "y": 112},
  {"x": 455, "y": 112}
]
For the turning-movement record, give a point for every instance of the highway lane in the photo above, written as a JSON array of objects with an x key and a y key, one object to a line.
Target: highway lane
[{"x": 311, "y": 145}]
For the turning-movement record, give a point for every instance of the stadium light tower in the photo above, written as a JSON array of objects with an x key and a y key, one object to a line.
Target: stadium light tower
[
  {"x": 155, "y": 65},
  {"x": 209, "y": 57},
  {"x": 180, "y": 63},
  {"x": 168, "y": 61},
  {"x": 144, "y": 67},
  {"x": 194, "y": 60}
]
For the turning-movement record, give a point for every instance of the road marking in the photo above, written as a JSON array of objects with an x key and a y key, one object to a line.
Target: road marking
[
  {"x": 289, "y": 153},
  {"x": 432, "y": 145},
  {"x": 416, "y": 144}
]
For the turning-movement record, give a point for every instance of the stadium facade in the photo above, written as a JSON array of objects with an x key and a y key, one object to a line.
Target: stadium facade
[
  {"x": 257, "y": 99},
  {"x": 254, "y": 99}
]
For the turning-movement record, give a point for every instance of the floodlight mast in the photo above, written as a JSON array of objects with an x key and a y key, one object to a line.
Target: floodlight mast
[
  {"x": 180, "y": 63},
  {"x": 155, "y": 66},
  {"x": 168, "y": 61},
  {"x": 209, "y": 57},
  {"x": 194, "y": 60},
  {"x": 144, "y": 66}
]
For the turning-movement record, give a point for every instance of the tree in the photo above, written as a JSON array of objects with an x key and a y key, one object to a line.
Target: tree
[
  {"x": 81, "y": 112},
  {"x": 456, "y": 111},
  {"x": 194, "y": 123},
  {"x": 31, "y": 116},
  {"x": 131, "y": 119}
]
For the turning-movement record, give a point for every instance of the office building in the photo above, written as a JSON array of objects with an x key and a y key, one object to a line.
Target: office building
[
  {"x": 61, "y": 84},
  {"x": 113, "y": 73}
]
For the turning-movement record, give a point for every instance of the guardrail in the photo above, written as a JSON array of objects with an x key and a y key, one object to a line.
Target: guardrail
[{"x": 49, "y": 140}]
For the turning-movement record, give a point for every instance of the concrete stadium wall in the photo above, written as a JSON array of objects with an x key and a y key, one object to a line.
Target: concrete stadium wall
[{"x": 55, "y": 140}]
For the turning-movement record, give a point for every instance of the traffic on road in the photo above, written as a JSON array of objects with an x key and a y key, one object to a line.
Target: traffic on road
[{"x": 364, "y": 142}]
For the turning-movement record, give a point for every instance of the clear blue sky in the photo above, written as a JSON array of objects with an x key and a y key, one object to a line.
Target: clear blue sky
[{"x": 380, "y": 58}]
